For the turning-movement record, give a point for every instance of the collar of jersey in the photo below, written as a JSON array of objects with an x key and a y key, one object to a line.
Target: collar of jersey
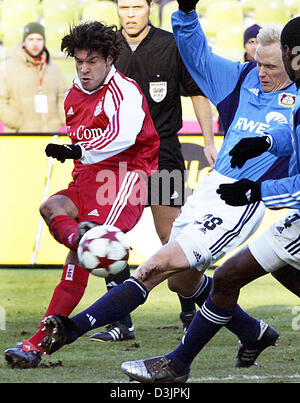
[{"x": 78, "y": 84}]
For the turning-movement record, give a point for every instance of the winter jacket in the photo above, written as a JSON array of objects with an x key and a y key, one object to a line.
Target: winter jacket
[{"x": 21, "y": 80}]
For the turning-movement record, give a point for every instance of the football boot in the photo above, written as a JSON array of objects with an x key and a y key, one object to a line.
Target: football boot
[
  {"x": 115, "y": 332},
  {"x": 59, "y": 332},
  {"x": 247, "y": 354},
  {"x": 154, "y": 370},
  {"x": 24, "y": 355}
]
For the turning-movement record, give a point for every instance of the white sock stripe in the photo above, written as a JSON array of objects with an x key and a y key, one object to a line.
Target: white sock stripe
[
  {"x": 212, "y": 317},
  {"x": 201, "y": 288},
  {"x": 131, "y": 280}
]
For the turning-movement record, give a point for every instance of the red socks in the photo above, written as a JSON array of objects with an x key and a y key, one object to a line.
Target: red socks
[
  {"x": 65, "y": 230},
  {"x": 66, "y": 296}
]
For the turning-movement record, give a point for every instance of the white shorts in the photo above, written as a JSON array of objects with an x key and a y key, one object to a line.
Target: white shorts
[
  {"x": 207, "y": 228},
  {"x": 279, "y": 245}
]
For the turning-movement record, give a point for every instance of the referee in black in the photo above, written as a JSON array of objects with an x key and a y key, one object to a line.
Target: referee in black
[{"x": 150, "y": 56}]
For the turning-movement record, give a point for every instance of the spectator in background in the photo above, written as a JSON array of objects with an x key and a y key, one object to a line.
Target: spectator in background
[
  {"x": 250, "y": 42},
  {"x": 32, "y": 89}
]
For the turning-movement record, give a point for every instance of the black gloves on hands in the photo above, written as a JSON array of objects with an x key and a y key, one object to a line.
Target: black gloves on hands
[
  {"x": 187, "y": 5},
  {"x": 240, "y": 193},
  {"x": 63, "y": 152},
  {"x": 248, "y": 148}
]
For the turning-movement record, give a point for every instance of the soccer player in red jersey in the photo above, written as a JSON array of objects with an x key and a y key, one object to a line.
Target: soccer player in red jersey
[{"x": 114, "y": 148}]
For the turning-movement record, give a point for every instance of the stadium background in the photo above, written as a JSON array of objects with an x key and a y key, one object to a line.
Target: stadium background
[{"x": 25, "y": 168}]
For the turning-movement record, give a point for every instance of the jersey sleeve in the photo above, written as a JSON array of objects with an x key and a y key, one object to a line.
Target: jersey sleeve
[
  {"x": 215, "y": 75},
  {"x": 281, "y": 193},
  {"x": 285, "y": 192},
  {"x": 281, "y": 136},
  {"x": 126, "y": 116},
  {"x": 188, "y": 87}
]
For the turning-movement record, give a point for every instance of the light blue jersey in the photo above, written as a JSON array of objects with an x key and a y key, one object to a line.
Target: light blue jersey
[
  {"x": 234, "y": 88},
  {"x": 285, "y": 193}
]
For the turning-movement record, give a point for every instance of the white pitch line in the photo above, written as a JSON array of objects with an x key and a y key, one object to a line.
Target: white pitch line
[{"x": 241, "y": 377}]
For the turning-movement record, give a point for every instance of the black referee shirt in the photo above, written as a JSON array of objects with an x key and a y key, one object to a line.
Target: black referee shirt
[{"x": 157, "y": 67}]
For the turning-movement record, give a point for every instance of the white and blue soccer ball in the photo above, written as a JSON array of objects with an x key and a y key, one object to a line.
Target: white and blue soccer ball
[{"x": 103, "y": 250}]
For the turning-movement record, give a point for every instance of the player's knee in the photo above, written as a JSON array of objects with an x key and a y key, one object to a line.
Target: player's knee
[
  {"x": 226, "y": 278},
  {"x": 178, "y": 286},
  {"x": 174, "y": 285},
  {"x": 46, "y": 210},
  {"x": 164, "y": 237},
  {"x": 152, "y": 272},
  {"x": 52, "y": 207}
]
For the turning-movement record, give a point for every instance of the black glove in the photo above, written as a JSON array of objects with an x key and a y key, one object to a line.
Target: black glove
[
  {"x": 240, "y": 193},
  {"x": 187, "y": 5},
  {"x": 63, "y": 152},
  {"x": 248, "y": 148}
]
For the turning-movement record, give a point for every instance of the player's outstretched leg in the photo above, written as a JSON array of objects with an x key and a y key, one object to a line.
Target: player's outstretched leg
[{"x": 115, "y": 304}]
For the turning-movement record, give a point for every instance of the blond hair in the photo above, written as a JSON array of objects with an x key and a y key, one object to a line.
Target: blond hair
[{"x": 269, "y": 34}]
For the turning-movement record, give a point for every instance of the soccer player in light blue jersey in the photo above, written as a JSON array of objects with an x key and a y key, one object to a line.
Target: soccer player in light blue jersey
[
  {"x": 252, "y": 99},
  {"x": 278, "y": 248}
]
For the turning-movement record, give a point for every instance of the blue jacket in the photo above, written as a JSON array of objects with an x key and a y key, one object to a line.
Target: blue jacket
[
  {"x": 234, "y": 88},
  {"x": 285, "y": 193}
]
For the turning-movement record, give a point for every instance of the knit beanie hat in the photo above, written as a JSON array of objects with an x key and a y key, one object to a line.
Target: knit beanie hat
[
  {"x": 251, "y": 32},
  {"x": 33, "y": 28}
]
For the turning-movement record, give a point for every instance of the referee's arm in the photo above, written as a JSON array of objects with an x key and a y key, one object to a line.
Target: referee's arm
[{"x": 204, "y": 116}]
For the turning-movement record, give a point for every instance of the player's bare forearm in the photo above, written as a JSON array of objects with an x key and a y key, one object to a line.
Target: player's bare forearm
[{"x": 204, "y": 116}]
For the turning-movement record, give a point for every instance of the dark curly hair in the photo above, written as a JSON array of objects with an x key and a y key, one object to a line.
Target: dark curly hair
[
  {"x": 92, "y": 36},
  {"x": 290, "y": 35}
]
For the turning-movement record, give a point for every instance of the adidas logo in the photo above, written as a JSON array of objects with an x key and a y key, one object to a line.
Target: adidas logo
[
  {"x": 255, "y": 91},
  {"x": 91, "y": 319},
  {"x": 94, "y": 212},
  {"x": 280, "y": 229},
  {"x": 175, "y": 195},
  {"x": 70, "y": 111},
  {"x": 197, "y": 256}
]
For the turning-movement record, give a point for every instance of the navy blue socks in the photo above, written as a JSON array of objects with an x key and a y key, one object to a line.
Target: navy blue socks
[
  {"x": 244, "y": 326},
  {"x": 207, "y": 322},
  {"x": 114, "y": 305}
]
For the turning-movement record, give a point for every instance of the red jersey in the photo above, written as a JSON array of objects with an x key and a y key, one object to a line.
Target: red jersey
[{"x": 112, "y": 124}]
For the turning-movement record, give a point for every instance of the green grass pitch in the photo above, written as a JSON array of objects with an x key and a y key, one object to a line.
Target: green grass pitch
[{"x": 25, "y": 294}]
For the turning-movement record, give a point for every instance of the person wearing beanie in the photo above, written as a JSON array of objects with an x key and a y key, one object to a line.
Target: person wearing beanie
[
  {"x": 250, "y": 42},
  {"x": 32, "y": 88}
]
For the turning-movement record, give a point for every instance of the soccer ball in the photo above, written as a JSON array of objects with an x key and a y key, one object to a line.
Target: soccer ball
[{"x": 103, "y": 250}]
